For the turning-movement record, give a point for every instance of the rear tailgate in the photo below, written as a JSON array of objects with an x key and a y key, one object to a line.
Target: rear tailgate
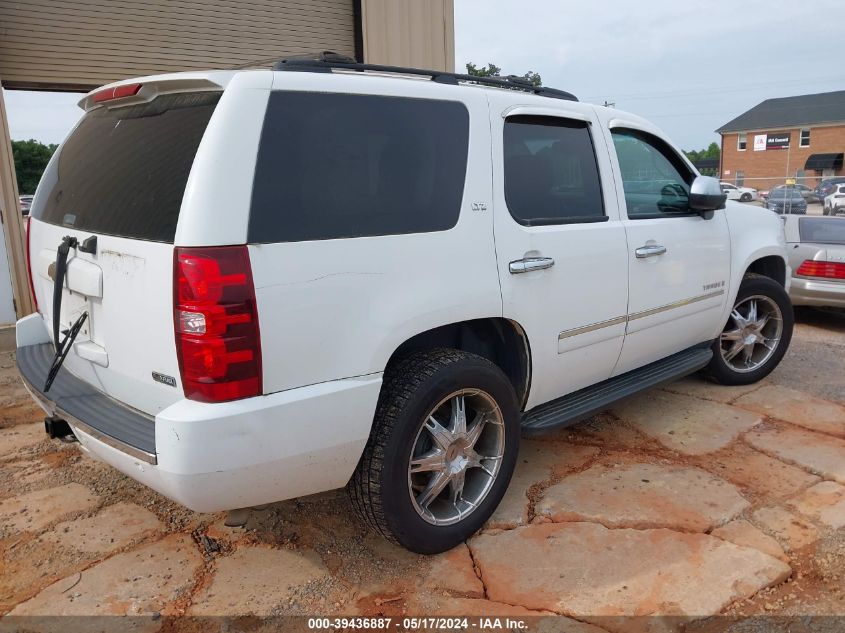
[{"x": 120, "y": 177}]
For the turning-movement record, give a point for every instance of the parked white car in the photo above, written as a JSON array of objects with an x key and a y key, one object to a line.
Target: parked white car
[
  {"x": 835, "y": 202},
  {"x": 743, "y": 194},
  {"x": 281, "y": 283}
]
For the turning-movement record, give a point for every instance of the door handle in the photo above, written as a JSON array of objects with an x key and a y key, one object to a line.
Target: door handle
[
  {"x": 650, "y": 250},
  {"x": 527, "y": 264}
]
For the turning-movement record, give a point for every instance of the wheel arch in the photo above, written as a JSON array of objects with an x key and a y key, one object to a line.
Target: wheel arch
[
  {"x": 772, "y": 266},
  {"x": 501, "y": 341}
]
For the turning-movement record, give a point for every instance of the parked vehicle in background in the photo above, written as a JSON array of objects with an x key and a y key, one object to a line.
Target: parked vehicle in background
[
  {"x": 283, "y": 283},
  {"x": 834, "y": 203},
  {"x": 804, "y": 190},
  {"x": 816, "y": 248},
  {"x": 26, "y": 203},
  {"x": 825, "y": 187},
  {"x": 743, "y": 194},
  {"x": 786, "y": 200}
]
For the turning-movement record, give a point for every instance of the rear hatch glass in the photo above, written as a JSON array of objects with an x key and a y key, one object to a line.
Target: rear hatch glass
[
  {"x": 120, "y": 177},
  {"x": 123, "y": 171}
]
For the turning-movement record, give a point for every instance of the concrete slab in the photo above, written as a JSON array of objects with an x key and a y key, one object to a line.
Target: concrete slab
[
  {"x": 686, "y": 424},
  {"x": 741, "y": 532},
  {"x": 758, "y": 472},
  {"x": 255, "y": 580},
  {"x": 142, "y": 581},
  {"x": 537, "y": 462},
  {"x": 821, "y": 454},
  {"x": 36, "y": 510},
  {"x": 643, "y": 496},
  {"x": 796, "y": 407},
  {"x": 585, "y": 570},
  {"x": 824, "y": 502},
  {"x": 701, "y": 388},
  {"x": 454, "y": 573},
  {"x": 109, "y": 530},
  {"x": 790, "y": 530}
]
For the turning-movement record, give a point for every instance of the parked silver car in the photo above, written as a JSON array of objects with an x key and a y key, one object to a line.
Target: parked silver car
[{"x": 816, "y": 247}]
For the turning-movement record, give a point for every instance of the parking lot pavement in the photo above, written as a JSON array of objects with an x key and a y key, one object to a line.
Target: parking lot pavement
[{"x": 688, "y": 501}]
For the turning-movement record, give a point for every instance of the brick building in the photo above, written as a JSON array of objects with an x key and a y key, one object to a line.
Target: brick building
[{"x": 799, "y": 137}]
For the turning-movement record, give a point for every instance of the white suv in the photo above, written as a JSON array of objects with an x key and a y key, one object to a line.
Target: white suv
[
  {"x": 270, "y": 283},
  {"x": 835, "y": 202}
]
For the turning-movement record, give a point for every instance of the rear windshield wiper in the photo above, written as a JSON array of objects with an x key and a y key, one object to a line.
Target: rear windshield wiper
[{"x": 63, "y": 346}]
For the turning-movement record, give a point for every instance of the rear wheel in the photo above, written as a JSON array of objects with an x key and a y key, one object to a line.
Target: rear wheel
[
  {"x": 442, "y": 450},
  {"x": 757, "y": 333},
  {"x": 745, "y": 197}
]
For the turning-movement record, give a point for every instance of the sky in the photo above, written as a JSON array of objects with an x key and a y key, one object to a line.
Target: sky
[{"x": 689, "y": 67}]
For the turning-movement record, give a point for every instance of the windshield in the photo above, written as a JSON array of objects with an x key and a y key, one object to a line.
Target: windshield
[
  {"x": 123, "y": 170},
  {"x": 822, "y": 230}
]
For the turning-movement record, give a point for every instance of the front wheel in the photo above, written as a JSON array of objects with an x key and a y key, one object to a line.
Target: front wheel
[
  {"x": 441, "y": 452},
  {"x": 757, "y": 333},
  {"x": 746, "y": 197}
]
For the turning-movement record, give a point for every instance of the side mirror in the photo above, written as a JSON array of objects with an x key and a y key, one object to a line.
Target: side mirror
[{"x": 706, "y": 196}]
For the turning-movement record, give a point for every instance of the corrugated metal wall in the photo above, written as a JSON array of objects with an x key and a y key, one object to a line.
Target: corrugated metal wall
[{"x": 85, "y": 43}]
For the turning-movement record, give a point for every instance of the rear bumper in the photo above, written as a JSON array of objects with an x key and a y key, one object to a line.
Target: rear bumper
[
  {"x": 212, "y": 457},
  {"x": 814, "y": 292}
]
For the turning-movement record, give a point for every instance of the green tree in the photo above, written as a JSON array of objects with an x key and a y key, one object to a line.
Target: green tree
[
  {"x": 491, "y": 70},
  {"x": 31, "y": 158},
  {"x": 712, "y": 151}
]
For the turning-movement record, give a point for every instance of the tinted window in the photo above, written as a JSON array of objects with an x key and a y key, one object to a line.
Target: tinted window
[
  {"x": 551, "y": 176},
  {"x": 123, "y": 170},
  {"x": 338, "y": 165},
  {"x": 822, "y": 230},
  {"x": 655, "y": 180}
]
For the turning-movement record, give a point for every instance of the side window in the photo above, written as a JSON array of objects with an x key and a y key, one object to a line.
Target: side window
[
  {"x": 551, "y": 175},
  {"x": 655, "y": 180},
  {"x": 344, "y": 165}
]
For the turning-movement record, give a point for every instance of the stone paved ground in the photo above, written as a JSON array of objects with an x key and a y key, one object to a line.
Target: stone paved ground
[{"x": 688, "y": 501}]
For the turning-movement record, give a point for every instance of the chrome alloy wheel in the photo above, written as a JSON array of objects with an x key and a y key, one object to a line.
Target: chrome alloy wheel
[
  {"x": 752, "y": 333},
  {"x": 456, "y": 456}
]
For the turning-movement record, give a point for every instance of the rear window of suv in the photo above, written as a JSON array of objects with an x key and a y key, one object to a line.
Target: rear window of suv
[
  {"x": 123, "y": 170},
  {"x": 342, "y": 165}
]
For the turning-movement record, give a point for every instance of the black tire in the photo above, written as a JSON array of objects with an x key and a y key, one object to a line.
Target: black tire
[
  {"x": 825, "y": 211},
  {"x": 753, "y": 285},
  {"x": 412, "y": 388},
  {"x": 745, "y": 197}
]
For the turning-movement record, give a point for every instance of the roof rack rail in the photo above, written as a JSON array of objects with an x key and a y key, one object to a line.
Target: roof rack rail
[{"x": 328, "y": 61}]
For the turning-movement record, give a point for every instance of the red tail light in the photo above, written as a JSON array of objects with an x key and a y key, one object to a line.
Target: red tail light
[
  {"x": 216, "y": 322},
  {"x": 826, "y": 270},
  {"x": 29, "y": 261},
  {"x": 119, "y": 92}
]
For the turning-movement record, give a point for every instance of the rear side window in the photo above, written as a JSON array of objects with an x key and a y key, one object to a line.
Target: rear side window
[
  {"x": 123, "y": 171},
  {"x": 339, "y": 166},
  {"x": 822, "y": 230},
  {"x": 551, "y": 175}
]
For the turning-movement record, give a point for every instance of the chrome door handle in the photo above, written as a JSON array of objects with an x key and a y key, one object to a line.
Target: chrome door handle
[
  {"x": 527, "y": 264},
  {"x": 649, "y": 250}
]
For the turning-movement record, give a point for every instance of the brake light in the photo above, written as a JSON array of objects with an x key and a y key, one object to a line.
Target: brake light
[
  {"x": 29, "y": 262},
  {"x": 825, "y": 270},
  {"x": 216, "y": 322},
  {"x": 118, "y": 92}
]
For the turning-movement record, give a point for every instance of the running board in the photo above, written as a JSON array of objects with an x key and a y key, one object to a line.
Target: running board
[{"x": 591, "y": 400}]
